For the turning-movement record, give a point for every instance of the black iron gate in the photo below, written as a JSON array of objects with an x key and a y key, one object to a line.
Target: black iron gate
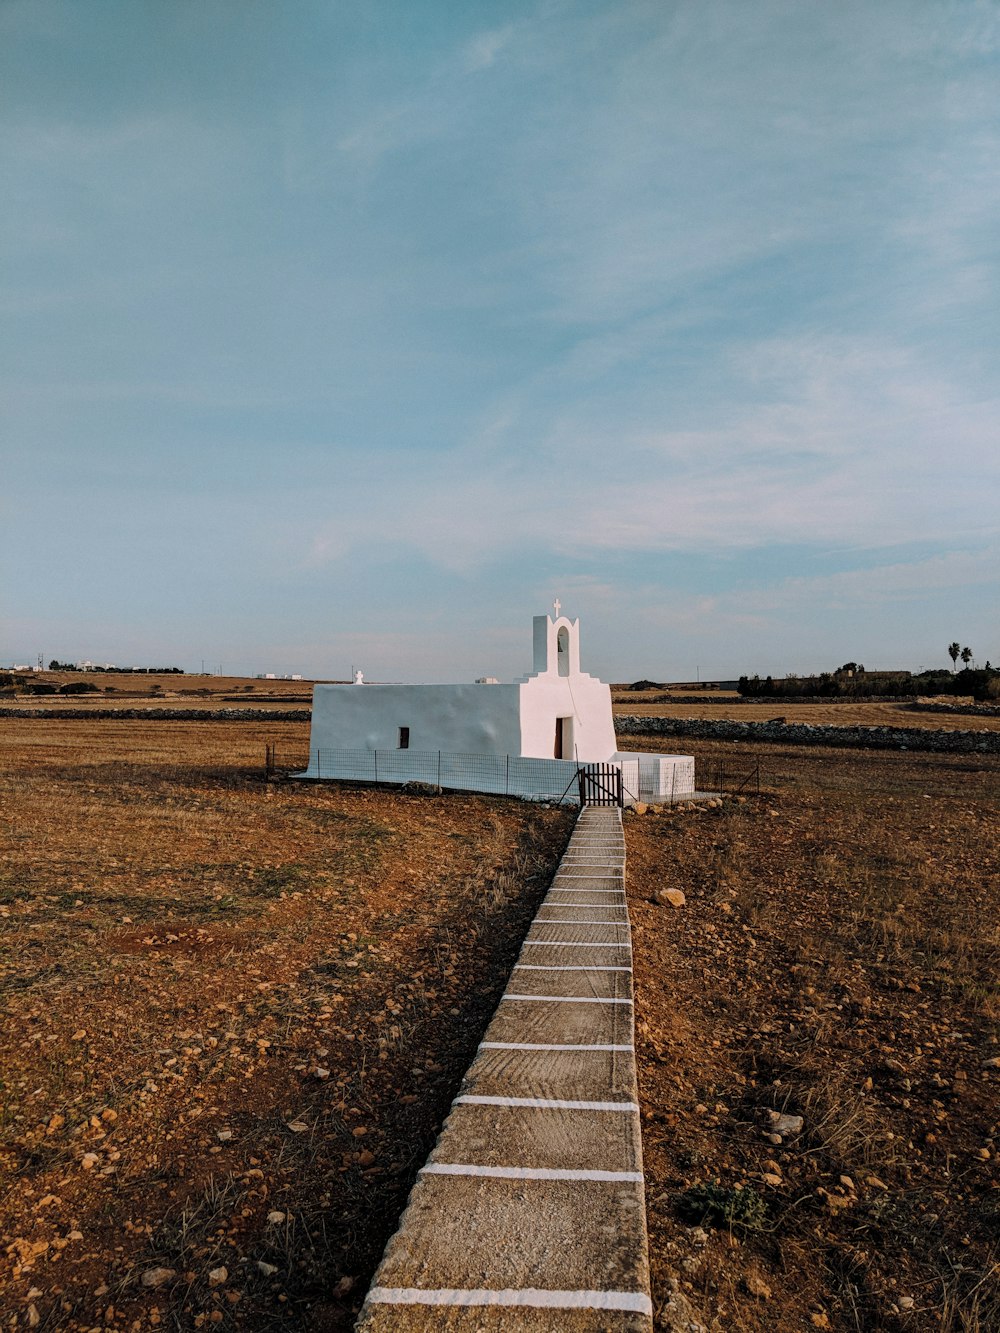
[{"x": 600, "y": 784}]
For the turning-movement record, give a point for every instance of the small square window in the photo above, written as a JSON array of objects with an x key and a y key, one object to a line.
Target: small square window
[{"x": 404, "y": 738}]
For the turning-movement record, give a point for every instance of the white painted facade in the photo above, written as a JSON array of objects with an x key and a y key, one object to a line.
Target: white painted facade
[{"x": 557, "y": 713}]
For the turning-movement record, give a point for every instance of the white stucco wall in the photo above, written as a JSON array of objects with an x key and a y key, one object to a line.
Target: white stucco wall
[
  {"x": 558, "y": 688},
  {"x": 660, "y": 777},
  {"x": 463, "y": 719},
  {"x": 584, "y": 699}
]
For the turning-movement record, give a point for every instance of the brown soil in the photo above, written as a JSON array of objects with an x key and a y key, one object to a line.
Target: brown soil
[
  {"x": 837, "y": 959},
  {"x": 225, "y": 1001},
  {"x": 233, "y": 1017}
]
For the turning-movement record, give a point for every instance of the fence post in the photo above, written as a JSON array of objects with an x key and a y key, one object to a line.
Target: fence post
[
  {"x": 506, "y": 781},
  {"x": 375, "y": 753}
]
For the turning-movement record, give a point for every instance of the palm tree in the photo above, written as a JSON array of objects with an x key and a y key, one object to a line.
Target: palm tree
[
  {"x": 966, "y": 656},
  {"x": 954, "y": 649}
]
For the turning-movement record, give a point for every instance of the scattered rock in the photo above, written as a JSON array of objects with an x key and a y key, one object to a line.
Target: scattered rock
[
  {"x": 268, "y": 1270},
  {"x": 155, "y": 1277},
  {"x": 784, "y": 1124},
  {"x": 217, "y": 1276},
  {"x": 276, "y": 1217},
  {"x": 671, "y": 897},
  {"x": 677, "y": 1315},
  {"x": 224, "y": 1135},
  {"x": 756, "y": 1286}
]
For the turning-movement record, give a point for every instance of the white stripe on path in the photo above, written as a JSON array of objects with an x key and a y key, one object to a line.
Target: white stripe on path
[
  {"x": 535, "y": 1298},
  {"x": 579, "y": 944},
  {"x": 565, "y": 999},
  {"x": 546, "y": 1046},
  {"x": 580, "y": 920},
  {"x": 565, "y": 967},
  {"x": 544, "y": 1103},
  {"x": 529, "y": 1173}
]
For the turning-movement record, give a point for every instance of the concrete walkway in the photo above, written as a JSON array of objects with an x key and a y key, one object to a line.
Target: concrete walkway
[{"x": 530, "y": 1214}]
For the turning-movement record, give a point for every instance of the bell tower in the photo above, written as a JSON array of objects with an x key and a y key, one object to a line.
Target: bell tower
[{"x": 556, "y": 644}]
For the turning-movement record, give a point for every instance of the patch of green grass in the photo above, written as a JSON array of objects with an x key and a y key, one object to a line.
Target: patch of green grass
[{"x": 716, "y": 1205}]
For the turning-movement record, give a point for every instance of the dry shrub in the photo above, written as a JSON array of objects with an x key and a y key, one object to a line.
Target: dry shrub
[{"x": 843, "y": 1122}]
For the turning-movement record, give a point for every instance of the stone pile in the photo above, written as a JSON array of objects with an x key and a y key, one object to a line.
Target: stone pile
[{"x": 802, "y": 733}]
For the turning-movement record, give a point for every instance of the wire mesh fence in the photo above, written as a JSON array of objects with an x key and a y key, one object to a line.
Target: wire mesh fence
[
  {"x": 729, "y": 775},
  {"x": 648, "y": 778},
  {"x": 499, "y": 774}
]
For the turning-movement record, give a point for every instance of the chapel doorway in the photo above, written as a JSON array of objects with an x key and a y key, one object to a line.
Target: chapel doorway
[{"x": 563, "y": 748}]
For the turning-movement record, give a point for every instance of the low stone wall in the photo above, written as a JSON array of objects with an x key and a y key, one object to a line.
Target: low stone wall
[
  {"x": 970, "y": 710},
  {"x": 782, "y": 733},
  {"x": 775, "y": 701}
]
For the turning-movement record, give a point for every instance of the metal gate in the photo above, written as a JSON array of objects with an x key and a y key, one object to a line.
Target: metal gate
[{"x": 600, "y": 784}]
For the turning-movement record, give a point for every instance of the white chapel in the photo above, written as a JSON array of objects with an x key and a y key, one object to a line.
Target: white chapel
[{"x": 557, "y": 716}]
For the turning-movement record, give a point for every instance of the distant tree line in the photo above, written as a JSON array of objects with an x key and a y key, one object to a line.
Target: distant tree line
[
  {"x": 9, "y": 682},
  {"x": 116, "y": 670},
  {"x": 851, "y": 681}
]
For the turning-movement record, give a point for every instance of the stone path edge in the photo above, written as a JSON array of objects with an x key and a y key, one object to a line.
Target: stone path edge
[{"x": 530, "y": 1210}]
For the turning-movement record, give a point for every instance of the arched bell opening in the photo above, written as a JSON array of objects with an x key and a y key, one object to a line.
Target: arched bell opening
[{"x": 562, "y": 651}]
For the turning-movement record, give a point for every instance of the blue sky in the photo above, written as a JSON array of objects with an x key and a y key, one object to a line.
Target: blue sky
[{"x": 354, "y": 333}]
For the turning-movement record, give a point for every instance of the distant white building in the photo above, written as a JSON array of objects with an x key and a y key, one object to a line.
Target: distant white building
[{"x": 547, "y": 723}]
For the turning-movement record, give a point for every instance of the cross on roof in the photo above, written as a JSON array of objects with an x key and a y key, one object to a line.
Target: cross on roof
[{"x": 558, "y": 606}]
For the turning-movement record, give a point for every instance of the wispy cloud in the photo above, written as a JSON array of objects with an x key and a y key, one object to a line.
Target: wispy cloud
[
  {"x": 622, "y": 293},
  {"x": 482, "y": 51}
]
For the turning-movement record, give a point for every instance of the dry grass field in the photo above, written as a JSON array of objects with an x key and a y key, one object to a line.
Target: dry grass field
[
  {"x": 134, "y": 690},
  {"x": 233, "y": 1014},
  {"x": 863, "y": 713},
  {"x": 838, "y": 960}
]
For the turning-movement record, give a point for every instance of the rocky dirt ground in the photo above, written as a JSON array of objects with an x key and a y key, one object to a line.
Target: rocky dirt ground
[
  {"x": 819, "y": 1047},
  {"x": 233, "y": 1014},
  {"x": 232, "y": 1017}
]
